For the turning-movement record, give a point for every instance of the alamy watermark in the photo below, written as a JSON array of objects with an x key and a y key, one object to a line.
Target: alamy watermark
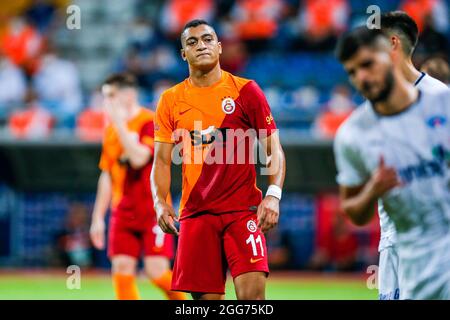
[{"x": 73, "y": 281}]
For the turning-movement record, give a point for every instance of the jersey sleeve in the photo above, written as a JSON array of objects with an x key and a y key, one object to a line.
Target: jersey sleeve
[
  {"x": 350, "y": 167},
  {"x": 259, "y": 113},
  {"x": 147, "y": 135},
  {"x": 105, "y": 163},
  {"x": 164, "y": 125}
]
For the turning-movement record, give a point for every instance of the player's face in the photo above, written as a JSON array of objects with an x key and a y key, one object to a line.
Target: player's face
[
  {"x": 371, "y": 72},
  {"x": 201, "y": 48}
]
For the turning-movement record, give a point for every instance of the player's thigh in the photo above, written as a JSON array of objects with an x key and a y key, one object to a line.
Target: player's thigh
[
  {"x": 245, "y": 245},
  {"x": 124, "y": 264},
  {"x": 199, "y": 262},
  {"x": 123, "y": 241},
  {"x": 388, "y": 274},
  {"x": 250, "y": 286},
  {"x": 156, "y": 266}
]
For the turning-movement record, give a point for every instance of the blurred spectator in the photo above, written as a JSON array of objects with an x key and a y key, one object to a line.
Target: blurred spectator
[
  {"x": 150, "y": 66},
  {"x": 234, "y": 56},
  {"x": 176, "y": 13},
  {"x": 256, "y": 22},
  {"x": 41, "y": 14},
  {"x": 438, "y": 68},
  {"x": 431, "y": 42},
  {"x": 91, "y": 122},
  {"x": 22, "y": 44},
  {"x": 336, "y": 244},
  {"x": 74, "y": 242},
  {"x": 12, "y": 86},
  {"x": 158, "y": 88},
  {"x": 57, "y": 84},
  {"x": 320, "y": 22},
  {"x": 336, "y": 110},
  {"x": 421, "y": 10},
  {"x": 33, "y": 122}
]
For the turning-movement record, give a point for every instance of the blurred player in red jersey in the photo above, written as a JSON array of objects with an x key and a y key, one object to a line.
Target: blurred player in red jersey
[
  {"x": 222, "y": 213},
  {"x": 124, "y": 184}
]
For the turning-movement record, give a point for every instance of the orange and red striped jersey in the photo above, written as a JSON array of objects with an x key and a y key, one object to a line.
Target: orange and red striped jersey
[{"x": 203, "y": 119}]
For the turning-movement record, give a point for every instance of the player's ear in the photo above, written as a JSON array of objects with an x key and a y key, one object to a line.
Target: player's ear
[
  {"x": 183, "y": 54},
  {"x": 395, "y": 43},
  {"x": 220, "y": 47}
]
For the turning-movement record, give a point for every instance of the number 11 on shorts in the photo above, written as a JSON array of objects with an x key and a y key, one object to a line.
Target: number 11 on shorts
[{"x": 251, "y": 239}]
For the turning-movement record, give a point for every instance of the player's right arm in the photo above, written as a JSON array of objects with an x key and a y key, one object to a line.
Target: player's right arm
[
  {"x": 160, "y": 185},
  {"x": 102, "y": 202},
  {"x": 358, "y": 188},
  {"x": 359, "y": 202},
  {"x": 162, "y": 160}
]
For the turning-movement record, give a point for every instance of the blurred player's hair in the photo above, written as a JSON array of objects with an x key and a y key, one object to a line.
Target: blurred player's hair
[
  {"x": 350, "y": 42},
  {"x": 399, "y": 23},
  {"x": 121, "y": 80},
  {"x": 438, "y": 68}
]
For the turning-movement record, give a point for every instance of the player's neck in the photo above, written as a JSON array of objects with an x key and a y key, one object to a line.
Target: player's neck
[
  {"x": 200, "y": 78},
  {"x": 409, "y": 71},
  {"x": 402, "y": 96}
]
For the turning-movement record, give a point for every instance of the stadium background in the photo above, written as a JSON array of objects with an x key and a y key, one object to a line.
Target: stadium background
[{"x": 51, "y": 123}]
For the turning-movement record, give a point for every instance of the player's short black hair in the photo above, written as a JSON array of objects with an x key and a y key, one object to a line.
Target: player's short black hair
[
  {"x": 192, "y": 24},
  {"x": 401, "y": 24},
  {"x": 350, "y": 42},
  {"x": 122, "y": 80}
]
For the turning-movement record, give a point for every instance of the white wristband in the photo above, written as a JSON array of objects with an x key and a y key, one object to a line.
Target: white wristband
[{"x": 274, "y": 191}]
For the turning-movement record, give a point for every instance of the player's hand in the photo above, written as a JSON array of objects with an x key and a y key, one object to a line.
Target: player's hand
[
  {"x": 115, "y": 113},
  {"x": 97, "y": 233},
  {"x": 383, "y": 179},
  {"x": 166, "y": 217},
  {"x": 268, "y": 213}
]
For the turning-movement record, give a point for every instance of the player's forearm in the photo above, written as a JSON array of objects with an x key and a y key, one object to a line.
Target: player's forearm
[
  {"x": 137, "y": 153},
  {"x": 361, "y": 207},
  {"x": 278, "y": 162},
  {"x": 160, "y": 181},
  {"x": 103, "y": 197}
]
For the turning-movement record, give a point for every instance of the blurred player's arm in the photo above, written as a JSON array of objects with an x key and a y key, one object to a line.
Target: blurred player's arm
[
  {"x": 138, "y": 154},
  {"x": 102, "y": 202},
  {"x": 160, "y": 184},
  {"x": 359, "y": 202},
  {"x": 269, "y": 209}
]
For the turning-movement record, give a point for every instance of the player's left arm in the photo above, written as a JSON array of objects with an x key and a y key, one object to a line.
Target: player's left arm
[{"x": 269, "y": 208}]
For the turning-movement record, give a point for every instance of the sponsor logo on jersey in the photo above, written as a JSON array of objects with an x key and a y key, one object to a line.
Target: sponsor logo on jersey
[{"x": 436, "y": 121}]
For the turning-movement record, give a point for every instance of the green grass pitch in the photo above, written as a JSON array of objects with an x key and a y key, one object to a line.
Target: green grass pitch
[{"x": 297, "y": 286}]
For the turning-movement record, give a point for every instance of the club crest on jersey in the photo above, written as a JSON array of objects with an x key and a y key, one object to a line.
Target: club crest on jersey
[
  {"x": 251, "y": 226},
  {"x": 228, "y": 105}
]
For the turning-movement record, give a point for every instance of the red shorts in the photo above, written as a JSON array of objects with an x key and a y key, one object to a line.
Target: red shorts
[
  {"x": 137, "y": 237},
  {"x": 209, "y": 244}
]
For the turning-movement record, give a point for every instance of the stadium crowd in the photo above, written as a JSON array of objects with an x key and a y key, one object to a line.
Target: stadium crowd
[{"x": 286, "y": 45}]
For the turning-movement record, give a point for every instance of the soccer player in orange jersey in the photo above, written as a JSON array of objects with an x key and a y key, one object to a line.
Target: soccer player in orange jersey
[
  {"x": 124, "y": 184},
  {"x": 210, "y": 121}
]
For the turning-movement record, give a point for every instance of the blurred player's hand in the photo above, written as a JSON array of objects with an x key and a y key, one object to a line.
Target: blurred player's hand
[
  {"x": 97, "y": 233},
  {"x": 268, "y": 213},
  {"x": 383, "y": 179},
  {"x": 166, "y": 217},
  {"x": 115, "y": 113}
]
